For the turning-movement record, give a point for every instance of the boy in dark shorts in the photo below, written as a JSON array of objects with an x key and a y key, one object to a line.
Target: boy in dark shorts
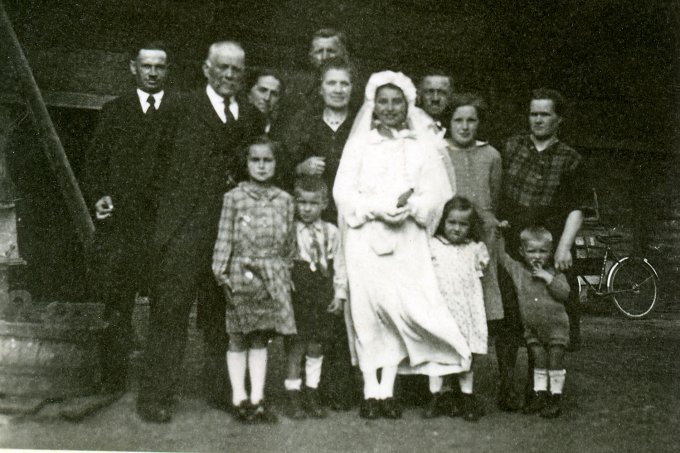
[
  {"x": 318, "y": 298},
  {"x": 541, "y": 295}
]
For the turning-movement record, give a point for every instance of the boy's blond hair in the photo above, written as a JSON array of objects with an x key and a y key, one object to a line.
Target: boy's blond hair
[{"x": 540, "y": 234}]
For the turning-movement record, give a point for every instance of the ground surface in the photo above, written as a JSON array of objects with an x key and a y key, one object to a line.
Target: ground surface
[{"x": 622, "y": 395}]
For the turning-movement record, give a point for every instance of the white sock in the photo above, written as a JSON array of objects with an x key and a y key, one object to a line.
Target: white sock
[
  {"x": 465, "y": 380},
  {"x": 436, "y": 383},
  {"x": 257, "y": 366},
  {"x": 371, "y": 386},
  {"x": 557, "y": 378},
  {"x": 293, "y": 384},
  {"x": 540, "y": 380},
  {"x": 313, "y": 371},
  {"x": 389, "y": 374},
  {"x": 236, "y": 364}
]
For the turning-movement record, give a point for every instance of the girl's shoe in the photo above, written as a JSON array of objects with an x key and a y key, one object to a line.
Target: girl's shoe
[
  {"x": 471, "y": 408},
  {"x": 536, "y": 402},
  {"x": 554, "y": 407},
  {"x": 262, "y": 414},
  {"x": 244, "y": 411},
  {"x": 435, "y": 407},
  {"x": 391, "y": 408},
  {"x": 369, "y": 409}
]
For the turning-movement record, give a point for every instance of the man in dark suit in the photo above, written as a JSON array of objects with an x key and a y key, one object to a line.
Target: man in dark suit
[
  {"x": 203, "y": 163},
  {"x": 123, "y": 166}
]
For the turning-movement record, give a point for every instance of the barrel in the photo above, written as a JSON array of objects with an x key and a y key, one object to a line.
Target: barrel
[{"x": 49, "y": 360}]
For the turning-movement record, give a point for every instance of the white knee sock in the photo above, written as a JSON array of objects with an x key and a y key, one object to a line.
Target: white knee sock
[
  {"x": 466, "y": 380},
  {"x": 436, "y": 383},
  {"x": 540, "y": 380},
  {"x": 371, "y": 386},
  {"x": 257, "y": 366},
  {"x": 313, "y": 371},
  {"x": 236, "y": 364},
  {"x": 557, "y": 378},
  {"x": 293, "y": 384},
  {"x": 389, "y": 374}
]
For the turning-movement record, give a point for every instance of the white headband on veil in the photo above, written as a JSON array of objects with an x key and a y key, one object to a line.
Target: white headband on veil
[{"x": 418, "y": 121}]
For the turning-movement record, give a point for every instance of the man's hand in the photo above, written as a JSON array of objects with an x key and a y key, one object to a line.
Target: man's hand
[
  {"x": 313, "y": 166},
  {"x": 563, "y": 260},
  {"x": 103, "y": 207},
  {"x": 335, "y": 307}
]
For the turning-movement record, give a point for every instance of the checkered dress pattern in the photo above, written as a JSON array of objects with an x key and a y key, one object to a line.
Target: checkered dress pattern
[
  {"x": 253, "y": 256},
  {"x": 532, "y": 178}
]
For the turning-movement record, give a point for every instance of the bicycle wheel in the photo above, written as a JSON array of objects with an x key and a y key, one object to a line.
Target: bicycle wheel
[{"x": 633, "y": 286}]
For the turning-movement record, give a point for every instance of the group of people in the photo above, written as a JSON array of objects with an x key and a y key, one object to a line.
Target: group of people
[{"x": 387, "y": 238}]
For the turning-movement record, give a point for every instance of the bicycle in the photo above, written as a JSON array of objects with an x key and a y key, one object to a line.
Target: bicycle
[{"x": 631, "y": 281}]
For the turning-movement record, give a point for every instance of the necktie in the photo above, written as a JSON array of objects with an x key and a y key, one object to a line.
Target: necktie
[
  {"x": 227, "y": 112},
  {"x": 152, "y": 105},
  {"x": 316, "y": 254}
]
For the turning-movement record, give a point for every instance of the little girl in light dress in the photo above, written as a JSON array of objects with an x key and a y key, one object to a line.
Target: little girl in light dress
[{"x": 460, "y": 257}]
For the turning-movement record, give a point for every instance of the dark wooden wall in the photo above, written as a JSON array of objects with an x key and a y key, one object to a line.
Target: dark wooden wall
[{"x": 616, "y": 60}]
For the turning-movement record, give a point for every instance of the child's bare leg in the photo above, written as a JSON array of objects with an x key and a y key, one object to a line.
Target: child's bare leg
[
  {"x": 295, "y": 351},
  {"x": 537, "y": 399},
  {"x": 237, "y": 357}
]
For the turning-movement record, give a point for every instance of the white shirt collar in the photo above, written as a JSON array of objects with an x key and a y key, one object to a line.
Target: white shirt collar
[
  {"x": 217, "y": 102},
  {"x": 144, "y": 96}
]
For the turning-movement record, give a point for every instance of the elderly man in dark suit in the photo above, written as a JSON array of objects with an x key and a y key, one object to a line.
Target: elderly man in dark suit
[
  {"x": 202, "y": 164},
  {"x": 123, "y": 166}
]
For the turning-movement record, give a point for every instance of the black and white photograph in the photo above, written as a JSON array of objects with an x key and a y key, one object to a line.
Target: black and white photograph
[{"x": 339, "y": 225}]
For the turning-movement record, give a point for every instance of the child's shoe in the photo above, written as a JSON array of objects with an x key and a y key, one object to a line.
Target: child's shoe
[
  {"x": 313, "y": 404},
  {"x": 536, "y": 402},
  {"x": 433, "y": 407},
  {"x": 262, "y": 414},
  {"x": 244, "y": 411},
  {"x": 295, "y": 408},
  {"x": 471, "y": 408},
  {"x": 369, "y": 409},
  {"x": 391, "y": 408},
  {"x": 554, "y": 407}
]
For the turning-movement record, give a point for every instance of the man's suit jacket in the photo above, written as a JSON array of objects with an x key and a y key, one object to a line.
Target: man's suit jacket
[
  {"x": 204, "y": 161},
  {"x": 125, "y": 160}
]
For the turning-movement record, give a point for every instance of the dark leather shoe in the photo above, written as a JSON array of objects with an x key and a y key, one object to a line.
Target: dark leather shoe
[
  {"x": 244, "y": 411},
  {"x": 435, "y": 407},
  {"x": 313, "y": 404},
  {"x": 295, "y": 409},
  {"x": 391, "y": 408},
  {"x": 554, "y": 407},
  {"x": 472, "y": 409},
  {"x": 369, "y": 409},
  {"x": 263, "y": 414},
  {"x": 536, "y": 402},
  {"x": 154, "y": 412}
]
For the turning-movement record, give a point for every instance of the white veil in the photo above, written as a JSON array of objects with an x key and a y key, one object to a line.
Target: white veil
[{"x": 419, "y": 124}]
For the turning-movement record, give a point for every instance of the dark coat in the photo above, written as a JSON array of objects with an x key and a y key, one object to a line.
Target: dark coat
[
  {"x": 204, "y": 161},
  {"x": 125, "y": 160}
]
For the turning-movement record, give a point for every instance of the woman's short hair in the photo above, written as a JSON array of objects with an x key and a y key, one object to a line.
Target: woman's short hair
[
  {"x": 459, "y": 203},
  {"x": 253, "y": 76},
  {"x": 339, "y": 63},
  {"x": 471, "y": 99},
  {"x": 559, "y": 103}
]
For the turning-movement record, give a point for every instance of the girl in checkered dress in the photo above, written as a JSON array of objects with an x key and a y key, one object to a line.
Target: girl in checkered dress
[{"x": 251, "y": 261}]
